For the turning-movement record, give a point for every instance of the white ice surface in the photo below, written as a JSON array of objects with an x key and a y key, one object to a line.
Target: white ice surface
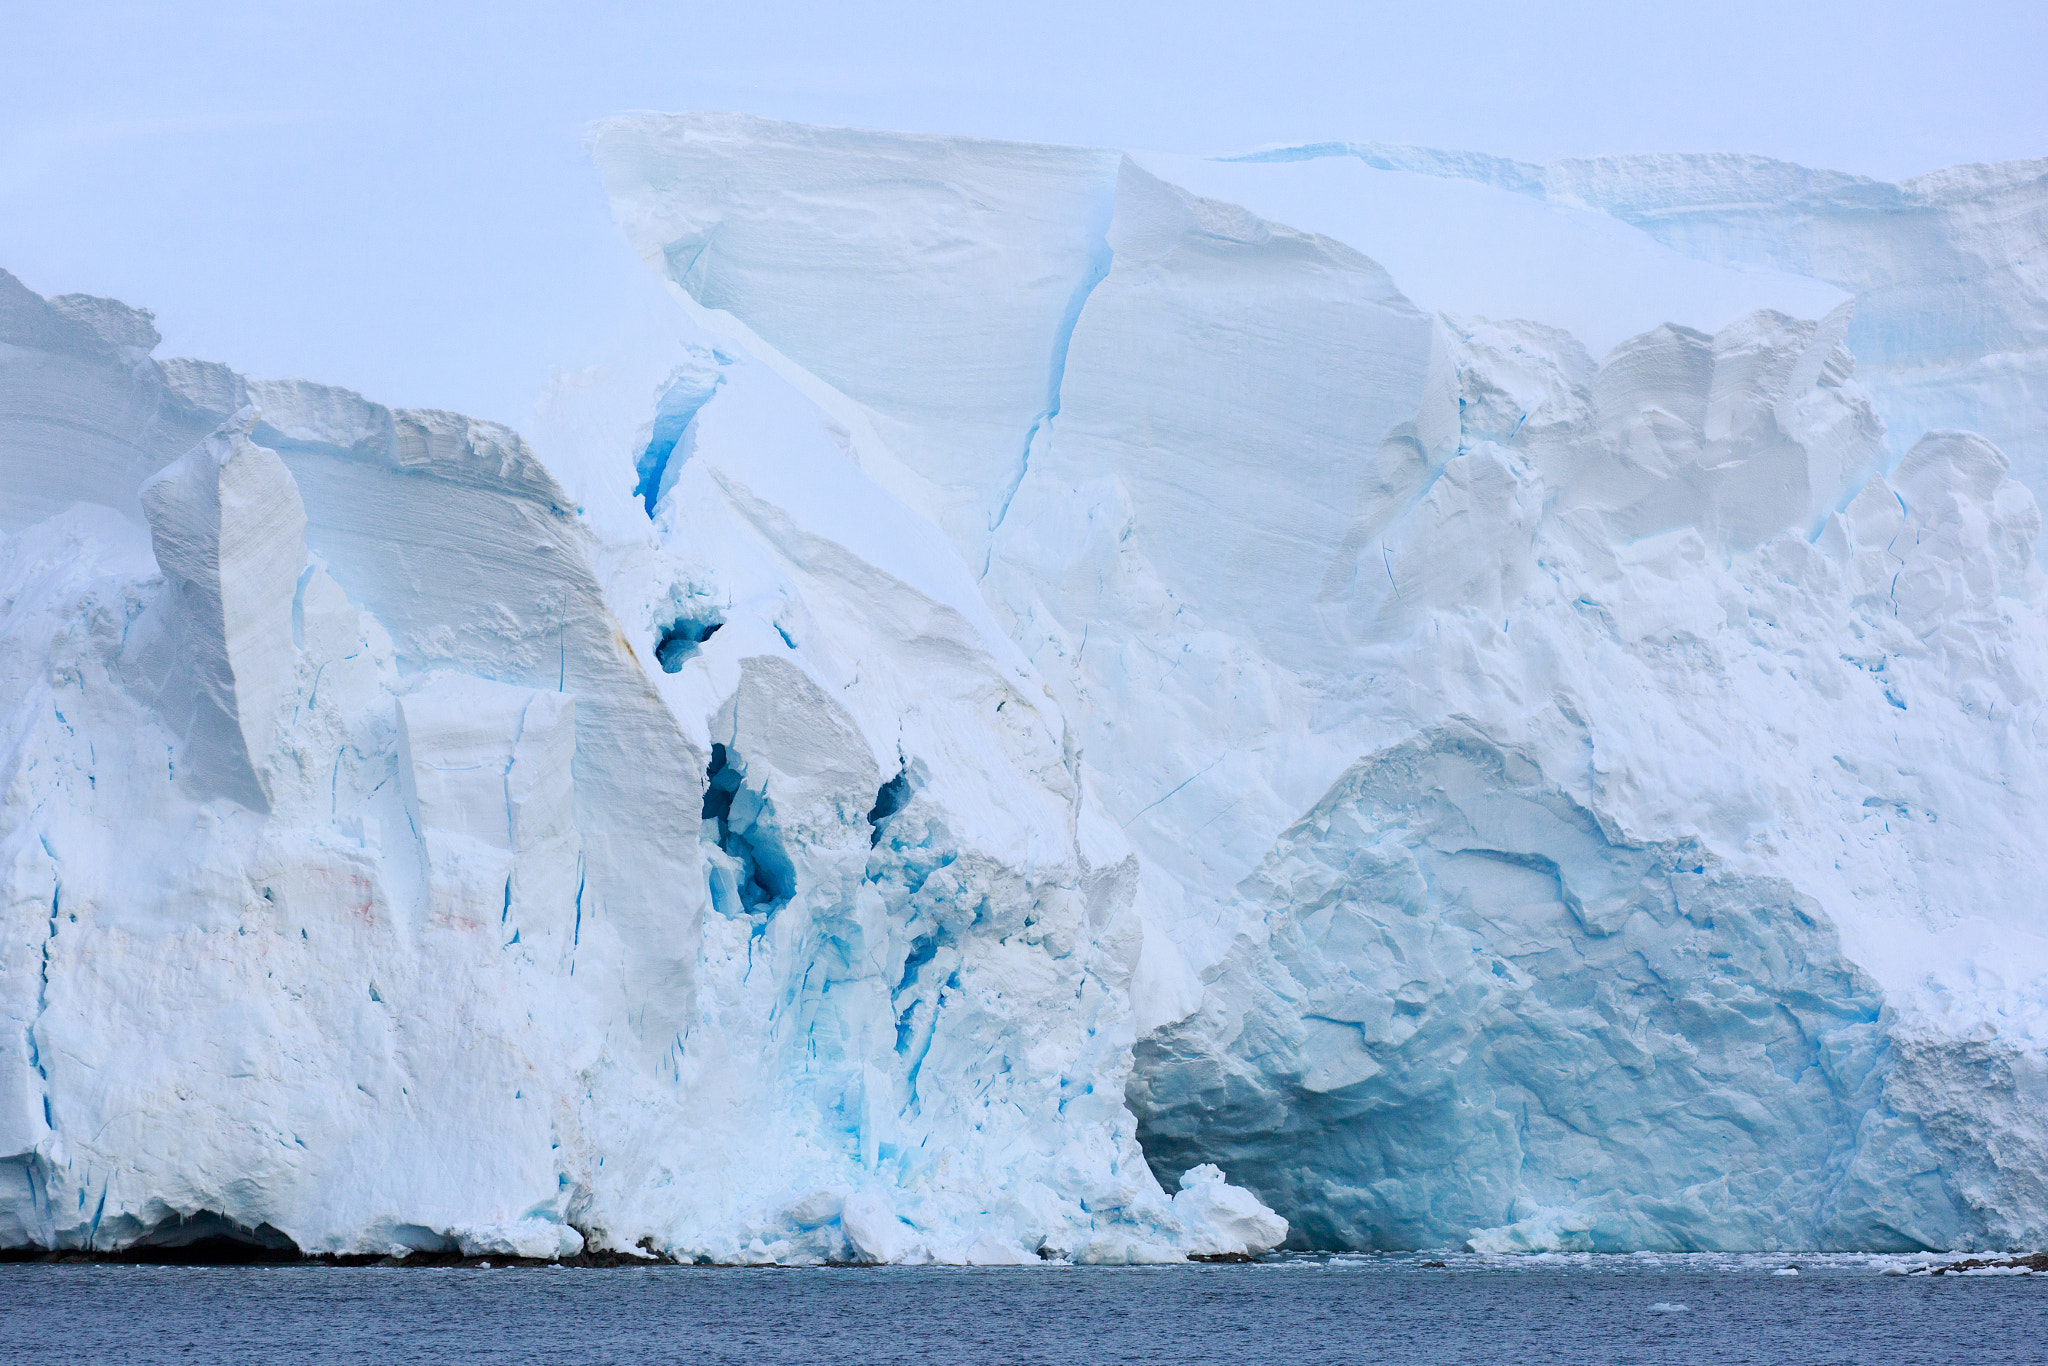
[
  {"x": 1951, "y": 321},
  {"x": 1283, "y": 534},
  {"x": 385, "y": 872},
  {"x": 1460, "y": 246},
  {"x": 1452, "y": 708}
]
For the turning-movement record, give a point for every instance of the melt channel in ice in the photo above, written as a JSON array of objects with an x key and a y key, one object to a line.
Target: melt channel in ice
[{"x": 1053, "y": 666}]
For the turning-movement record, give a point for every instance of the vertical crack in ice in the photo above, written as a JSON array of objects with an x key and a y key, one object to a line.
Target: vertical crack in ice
[
  {"x": 917, "y": 1022},
  {"x": 576, "y": 935},
  {"x": 35, "y": 1053},
  {"x": 674, "y": 411},
  {"x": 505, "y": 790},
  {"x": 1100, "y": 258}
]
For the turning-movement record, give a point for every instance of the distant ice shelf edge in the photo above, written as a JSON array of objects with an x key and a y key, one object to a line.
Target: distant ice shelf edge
[{"x": 1064, "y": 704}]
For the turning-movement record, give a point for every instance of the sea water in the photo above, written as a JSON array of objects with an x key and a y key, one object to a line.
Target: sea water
[{"x": 1294, "y": 1310}]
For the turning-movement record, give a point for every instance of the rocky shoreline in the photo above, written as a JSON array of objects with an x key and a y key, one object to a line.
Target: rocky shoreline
[{"x": 2030, "y": 1265}]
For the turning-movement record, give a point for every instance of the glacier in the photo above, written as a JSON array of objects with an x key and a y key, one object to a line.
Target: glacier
[{"x": 1061, "y": 703}]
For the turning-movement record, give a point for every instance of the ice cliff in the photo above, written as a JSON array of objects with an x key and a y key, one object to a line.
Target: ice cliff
[{"x": 1070, "y": 704}]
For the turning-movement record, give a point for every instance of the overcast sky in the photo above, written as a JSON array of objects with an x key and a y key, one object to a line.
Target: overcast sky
[{"x": 394, "y": 197}]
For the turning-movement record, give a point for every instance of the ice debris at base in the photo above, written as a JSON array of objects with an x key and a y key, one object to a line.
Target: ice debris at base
[{"x": 1036, "y": 678}]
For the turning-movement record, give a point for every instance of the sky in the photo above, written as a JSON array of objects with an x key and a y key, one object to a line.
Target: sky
[{"x": 396, "y": 197}]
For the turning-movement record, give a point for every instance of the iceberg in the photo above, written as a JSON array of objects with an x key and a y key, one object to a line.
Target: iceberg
[{"x": 1068, "y": 705}]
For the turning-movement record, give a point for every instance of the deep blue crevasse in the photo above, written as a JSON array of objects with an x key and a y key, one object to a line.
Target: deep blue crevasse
[{"x": 673, "y": 413}]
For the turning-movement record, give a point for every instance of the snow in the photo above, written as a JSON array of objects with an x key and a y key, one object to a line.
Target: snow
[
  {"x": 1951, "y": 322},
  {"x": 1461, "y": 246},
  {"x": 1404, "y": 699}
]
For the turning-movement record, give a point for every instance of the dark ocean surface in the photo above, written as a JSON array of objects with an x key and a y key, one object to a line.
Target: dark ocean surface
[{"x": 1354, "y": 1309}]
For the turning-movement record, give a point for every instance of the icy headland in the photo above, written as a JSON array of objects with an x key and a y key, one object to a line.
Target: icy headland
[{"x": 1060, "y": 666}]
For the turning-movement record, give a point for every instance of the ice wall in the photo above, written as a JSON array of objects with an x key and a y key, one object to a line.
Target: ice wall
[
  {"x": 379, "y": 875},
  {"x": 1053, "y": 677},
  {"x": 1951, "y": 322},
  {"x": 838, "y": 224},
  {"x": 1544, "y": 769}
]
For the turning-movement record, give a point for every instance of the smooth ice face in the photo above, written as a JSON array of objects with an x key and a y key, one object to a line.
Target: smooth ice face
[
  {"x": 1461, "y": 245},
  {"x": 961, "y": 391},
  {"x": 485, "y": 771},
  {"x": 229, "y": 533}
]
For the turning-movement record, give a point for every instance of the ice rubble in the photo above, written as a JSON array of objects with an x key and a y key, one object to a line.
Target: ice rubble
[{"x": 1034, "y": 662}]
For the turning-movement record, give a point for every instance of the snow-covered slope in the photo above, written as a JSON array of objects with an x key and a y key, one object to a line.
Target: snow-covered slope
[{"x": 1053, "y": 667}]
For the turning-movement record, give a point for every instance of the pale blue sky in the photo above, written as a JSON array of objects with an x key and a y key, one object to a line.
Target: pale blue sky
[{"x": 394, "y": 197}]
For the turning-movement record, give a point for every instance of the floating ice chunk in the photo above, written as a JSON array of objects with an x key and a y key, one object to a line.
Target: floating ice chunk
[
  {"x": 1550, "y": 1230},
  {"x": 991, "y": 1249},
  {"x": 1223, "y": 1219},
  {"x": 870, "y": 1222},
  {"x": 537, "y": 1239}
]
